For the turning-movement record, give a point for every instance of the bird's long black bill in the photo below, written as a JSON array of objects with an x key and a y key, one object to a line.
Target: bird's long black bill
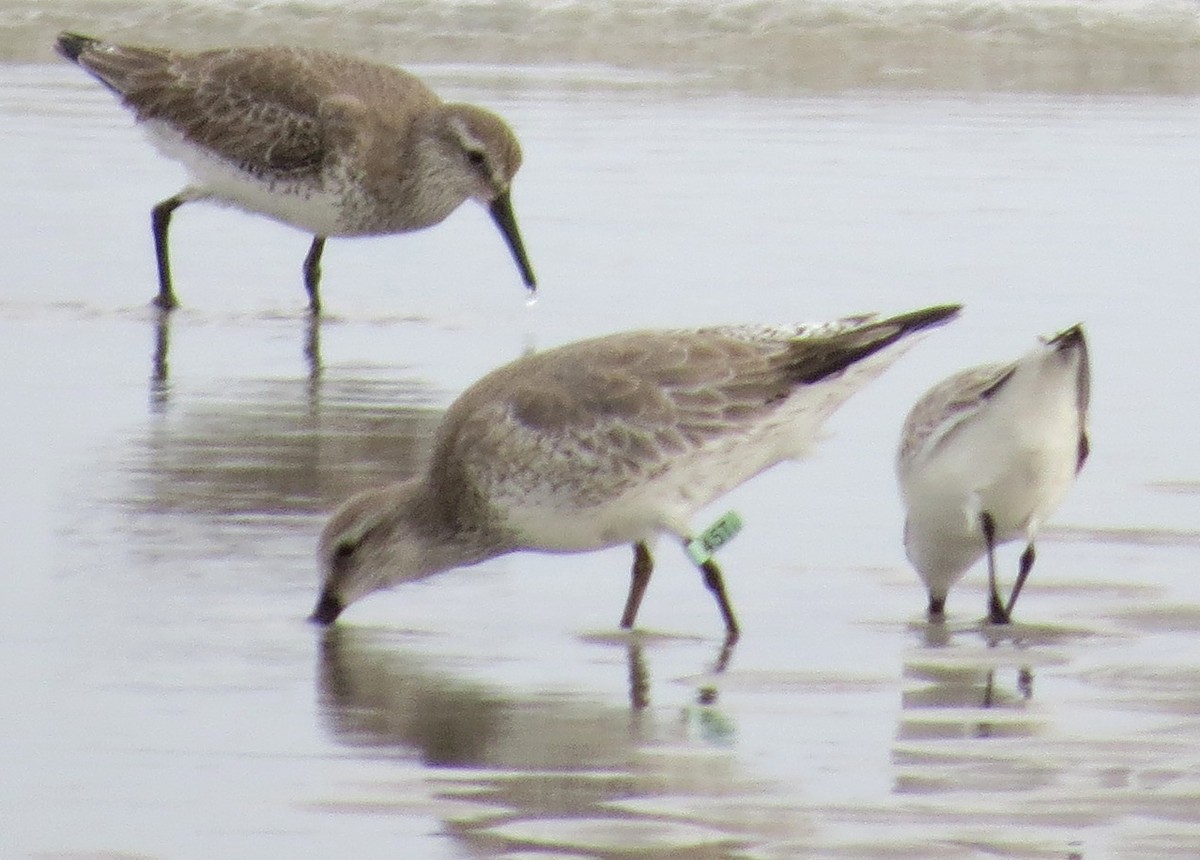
[
  {"x": 502, "y": 214},
  {"x": 327, "y": 610}
]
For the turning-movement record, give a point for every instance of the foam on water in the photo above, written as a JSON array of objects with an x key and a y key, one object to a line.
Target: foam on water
[{"x": 1011, "y": 45}]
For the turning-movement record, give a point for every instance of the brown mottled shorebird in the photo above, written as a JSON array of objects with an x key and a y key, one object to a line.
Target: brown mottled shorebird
[
  {"x": 604, "y": 442},
  {"x": 331, "y": 144},
  {"x": 986, "y": 456}
]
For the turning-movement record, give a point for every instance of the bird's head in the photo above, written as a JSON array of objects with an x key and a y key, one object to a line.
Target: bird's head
[
  {"x": 375, "y": 540},
  {"x": 490, "y": 157}
]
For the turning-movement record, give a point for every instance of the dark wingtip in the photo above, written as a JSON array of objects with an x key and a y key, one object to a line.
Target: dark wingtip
[
  {"x": 1069, "y": 338},
  {"x": 71, "y": 45},
  {"x": 1073, "y": 340},
  {"x": 902, "y": 325},
  {"x": 926, "y": 317},
  {"x": 866, "y": 337},
  {"x": 327, "y": 610}
]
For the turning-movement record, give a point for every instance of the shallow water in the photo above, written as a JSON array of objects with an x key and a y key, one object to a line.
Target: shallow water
[{"x": 166, "y": 481}]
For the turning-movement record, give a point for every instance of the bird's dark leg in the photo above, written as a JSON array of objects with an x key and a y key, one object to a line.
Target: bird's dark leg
[
  {"x": 1026, "y": 565},
  {"x": 712, "y": 579},
  {"x": 937, "y": 608},
  {"x": 725, "y": 654},
  {"x": 312, "y": 273},
  {"x": 643, "y": 566},
  {"x": 996, "y": 612},
  {"x": 160, "y": 223}
]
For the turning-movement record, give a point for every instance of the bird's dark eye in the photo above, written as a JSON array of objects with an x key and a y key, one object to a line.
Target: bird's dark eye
[{"x": 476, "y": 158}]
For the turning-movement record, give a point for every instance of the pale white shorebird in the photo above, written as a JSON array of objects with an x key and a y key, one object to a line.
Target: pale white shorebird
[
  {"x": 608, "y": 441},
  {"x": 330, "y": 144},
  {"x": 986, "y": 456}
]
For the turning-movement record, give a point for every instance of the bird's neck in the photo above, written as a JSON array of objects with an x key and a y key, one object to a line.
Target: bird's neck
[{"x": 456, "y": 535}]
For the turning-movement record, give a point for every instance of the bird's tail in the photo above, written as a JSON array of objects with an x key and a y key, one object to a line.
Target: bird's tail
[
  {"x": 816, "y": 358},
  {"x": 71, "y": 45},
  {"x": 1073, "y": 340},
  {"x": 1070, "y": 338},
  {"x": 124, "y": 69}
]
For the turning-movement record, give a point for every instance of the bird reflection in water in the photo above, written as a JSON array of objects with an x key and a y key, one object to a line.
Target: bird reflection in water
[
  {"x": 373, "y": 695},
  {"x": 963, "y": 691},
  {"x": 159, "y": 363},
  {"x": 371, "y": 698},
  {"x": 529, "y": 760},
  {"x": 160, "y": 359},
  {"x": 639, "y": 677}
]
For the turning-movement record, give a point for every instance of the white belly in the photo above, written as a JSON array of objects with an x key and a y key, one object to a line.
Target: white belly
[
  {"x": 1017, "y": 465},
  {"x": 548, "y": 518},
  {"x": 313, "y": 205}
]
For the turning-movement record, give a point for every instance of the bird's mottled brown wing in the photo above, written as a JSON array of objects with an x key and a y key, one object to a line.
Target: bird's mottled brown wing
[
  {"x": 623, "y": 407},
  {"x": 945, "y": 407},
  {"x": 257, "y": 108},
  {"x": 699, "y": 383},
  {"x": 269, "y": 110}
]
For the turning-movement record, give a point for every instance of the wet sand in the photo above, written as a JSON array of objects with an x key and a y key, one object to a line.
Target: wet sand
[{"x": 165, "y": 483}]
